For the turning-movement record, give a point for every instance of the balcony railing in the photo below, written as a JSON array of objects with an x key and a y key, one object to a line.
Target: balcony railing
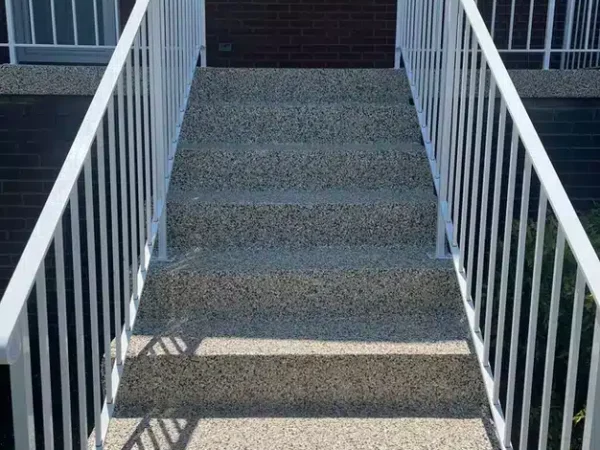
[
  {"x": 558, "y": 34},
  {"x": 76, "y": 289},
  {"x": 483, "y": 149}
]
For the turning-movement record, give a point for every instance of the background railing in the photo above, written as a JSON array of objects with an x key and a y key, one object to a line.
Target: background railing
[
  {"x": 67, "y": 312},
  {"x": 558, "y": 34},
  {"x": 528, "y": 274}
]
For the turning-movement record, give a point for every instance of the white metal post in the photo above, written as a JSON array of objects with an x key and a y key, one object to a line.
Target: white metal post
[
  {"x": 591, "y": 435},
  {"x": 398, "y": 53},
  {"x": 448, "y": 49},
  {"x": 10, "y": 27},
  {"x": 21, "y": 390},
  {"x": 203, "y": 34},
  {"x": 158, "y": 140},
  {"x": 549, "y": 33},
  {"x": 568, "y": 32}
]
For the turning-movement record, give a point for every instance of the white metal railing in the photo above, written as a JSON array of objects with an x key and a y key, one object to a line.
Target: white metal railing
[
  {"x": 482, "y": 148},
  {"x": 84, "y": 267},
  {"x": 562, "y": 33}
]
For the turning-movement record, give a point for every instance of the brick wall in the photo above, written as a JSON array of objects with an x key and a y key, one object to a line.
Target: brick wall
[
  {"x": 569, "y": 131},
  {"x": 301, "y": 33},
  {"x": 35, "y": 136}
]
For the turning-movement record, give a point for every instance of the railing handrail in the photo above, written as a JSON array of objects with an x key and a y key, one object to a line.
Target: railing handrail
[
  {"x": 23, "y": 278},
  {"x": 580, "y": 244}
]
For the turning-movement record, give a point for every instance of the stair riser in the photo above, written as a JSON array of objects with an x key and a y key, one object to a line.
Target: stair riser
[
  {"x": 358, "y": 292},
  {"x": 346, "y": 385},
  {"x": 239, "y": 85},
  {"x": 204, "y": 225},
  {"x": 308, "y": 123},
  {"x": 300, "y": 168}
]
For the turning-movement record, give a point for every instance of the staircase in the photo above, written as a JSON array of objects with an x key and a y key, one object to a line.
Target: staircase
[{"x": 301, "y": 307}]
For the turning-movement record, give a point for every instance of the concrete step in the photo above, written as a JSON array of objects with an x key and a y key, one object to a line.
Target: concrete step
[
  {"x": 300, "y": 218},
  {"x": 300, "y": 85},
  {"x": 301, "y": 166},
  {"x": 416, "y": 365},
  {"x": 333, "y": 280},
  {"x": 189, "y": 430},
  {"x": 271, "y": 122}
]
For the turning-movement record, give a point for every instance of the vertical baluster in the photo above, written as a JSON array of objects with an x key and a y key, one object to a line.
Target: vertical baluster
[
  {"x": 42, "y": 319},
  {"x": 96, "y": 22},
  {"x": 399, "y": 26},
  {"x": 549, "y": 33},
  {"x": 93, "y": 293},
  {"x": 172, "y": 82},
  {"x": 430, "y": 72},
  {"x": 511, "y": 26},
  {"x": 116, "y": 4},
  {"x": 157, "y": 63},
  {"x": 419, "y": 56},
  {"x": 591, "y": 433},
  {"x": 139, "y": 155},
  {"x": 79, "y": 327},
  {"x": 114, "y": 219},
  {"x": 452, "y": 12},
  {"x": 461, "y": 130},
  {"x": 132, "y": 188},
  {"x": 461, "y": 238},
  {"x": 472, "y": 204},
  {"x": 493, "y": 24},
  {"x": 53, "y": 21},
  {"x": 203, "y": 56},
  {"x": 487, "y": 162},
  {"x": 63, "y": 343},
  {"x": 505, "y": 263},
  {"x": 426, "y": 93},
  {"x": 596, "y": 37},
  {"x": 546, "y": 408},
  {"x": 75, "y": 28},
  {"x": 435, "y": 120},
  {"x": 146, "y": 114},
  {"x": 588, "y": 26},
  {"x": 568, "y": 34},
  {"x": 489, "y": 307},
  {"x": 518, "y": 297},
  {"x": 572, "y": 365},
  {"x": 533, "y": 317},
  {"x": 124, "y": 207},
  {"x": 104, "y": 262},
  {"x": 458, "y": 76},
  {"x": 31, "y": 19},
  {"x": 530, "y": 24},
  {"x": 21, "y": 388}
]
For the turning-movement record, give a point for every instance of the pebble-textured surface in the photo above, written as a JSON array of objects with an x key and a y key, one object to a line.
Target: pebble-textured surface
[
  {"x": 341, "y": 280},
  {"x": 301, "y": 304},
  {"x": 297, "y": 85},
  {"x": 262, "y": 122},
  {"x": 300, "y": 85},
  {"x": 317, "y": 365},
  {"x": 300, "y": 166},
  {"x": 49, "y": 80},
  {"x": 300, "y": 218},
  {"x": 557, "y": 83},
  {"x": 188, "y": 429}
]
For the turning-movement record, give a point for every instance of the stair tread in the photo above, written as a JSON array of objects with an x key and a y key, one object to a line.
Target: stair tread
[
  {"x": 276, "y": 335},
  {"x": 187, "y": 429},
  {"x": 251, "y": 166},
  {"x": 412, "y": 148},
  {"x": 311, "y": 259},
  {"x": 303, "y": 197}
]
